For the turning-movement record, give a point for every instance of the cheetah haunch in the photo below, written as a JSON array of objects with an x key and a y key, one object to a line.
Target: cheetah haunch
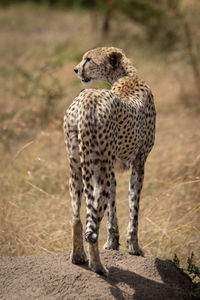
[{"x": 102, "y": 127}]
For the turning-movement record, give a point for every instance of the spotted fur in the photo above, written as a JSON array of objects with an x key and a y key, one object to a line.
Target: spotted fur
[{"x": 103, "y": 127}]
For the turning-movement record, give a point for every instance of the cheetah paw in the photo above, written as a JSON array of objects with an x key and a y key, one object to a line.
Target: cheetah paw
[
  {"x": 135, "y": 250},
  {"x": 114, "y": 245},
  {"x": 79, "y": 259},
  {"x": 99, "y": 269}
]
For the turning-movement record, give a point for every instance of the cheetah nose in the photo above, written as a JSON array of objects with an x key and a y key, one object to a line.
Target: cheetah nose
[{"x": 76, "y": 70}]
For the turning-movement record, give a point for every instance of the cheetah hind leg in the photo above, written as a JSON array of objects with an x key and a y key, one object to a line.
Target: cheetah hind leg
[
  {"x": 112, "y": 244},
  {"x": 113, "y": 240},
  {"x": 133, "y": 247},
  {"x": 112, "y": 223},
  {"x": 95, "y": 264},
  {"x": 78, "y": 255},
  {"x": 135, "y": 187}
]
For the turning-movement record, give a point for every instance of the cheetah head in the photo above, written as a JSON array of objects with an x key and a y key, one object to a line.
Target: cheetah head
[{"x": 100, "y": 64}]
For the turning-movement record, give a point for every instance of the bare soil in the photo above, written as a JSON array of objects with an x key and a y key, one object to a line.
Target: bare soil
[{"x": 54, "y": 277}]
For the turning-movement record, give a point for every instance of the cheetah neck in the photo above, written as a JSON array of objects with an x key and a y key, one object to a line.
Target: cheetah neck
[{"x": 126, "y": 70}]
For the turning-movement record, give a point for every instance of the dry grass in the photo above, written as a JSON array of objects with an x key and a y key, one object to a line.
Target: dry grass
[{"x": 37, "y": 85}]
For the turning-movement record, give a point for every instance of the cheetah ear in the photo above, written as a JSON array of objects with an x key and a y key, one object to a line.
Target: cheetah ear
[{"x": 114, "y": 59}]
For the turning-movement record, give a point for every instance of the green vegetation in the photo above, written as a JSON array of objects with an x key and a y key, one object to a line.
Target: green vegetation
[
  {"x": 194, "y": 272},
  {"x": 40, "y": 47}
]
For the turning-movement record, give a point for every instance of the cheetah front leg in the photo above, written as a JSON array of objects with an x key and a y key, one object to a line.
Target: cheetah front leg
[
  {"x": 78, "y": 255},
  {"x": 135, "y": 187},
  {"x": 112, "y": 224}
]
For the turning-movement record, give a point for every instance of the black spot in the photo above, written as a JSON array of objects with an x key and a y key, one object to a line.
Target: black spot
[
  {"x": 94, "y": 219},
  {"x": 105, "y": 206},
  {"x": 98, "y": 179},
  {"x": 107, "y": 195},
  {"x": 91, "y": 197},
  {"x": 102, "y": 169}
]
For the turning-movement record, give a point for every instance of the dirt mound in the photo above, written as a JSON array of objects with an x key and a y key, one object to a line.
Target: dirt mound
[{"x": 54, "y": 277}]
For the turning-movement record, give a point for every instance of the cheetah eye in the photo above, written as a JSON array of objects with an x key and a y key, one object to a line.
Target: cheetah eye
[{"x": 88, "y": 59}]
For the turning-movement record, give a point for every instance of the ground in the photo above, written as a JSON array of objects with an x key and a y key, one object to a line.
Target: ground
[{"x": 51, "y": 277}]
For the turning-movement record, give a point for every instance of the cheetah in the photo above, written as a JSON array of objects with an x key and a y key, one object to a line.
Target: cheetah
[{"x": 103, "y": 127}]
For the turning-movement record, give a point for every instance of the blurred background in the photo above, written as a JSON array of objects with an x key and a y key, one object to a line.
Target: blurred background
[{"x": 40, "y": 43}]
